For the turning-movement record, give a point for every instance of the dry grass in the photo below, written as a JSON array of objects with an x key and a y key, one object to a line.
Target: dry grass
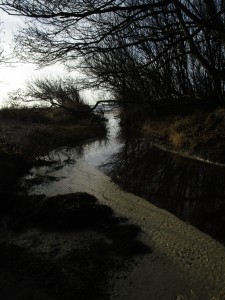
[
  {"x": 178, "y": 139},
  {"x": 221, "y": 295},
  {"x": 201, "y": 130},
  {"x": 152, "y": 127}
]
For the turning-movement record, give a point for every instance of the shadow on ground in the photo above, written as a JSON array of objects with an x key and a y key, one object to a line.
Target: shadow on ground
[{"x": 64, "y": 247}]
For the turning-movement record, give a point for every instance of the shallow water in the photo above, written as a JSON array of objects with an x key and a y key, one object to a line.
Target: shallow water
[
  {"x": 65, "y": 170},
  {"x": 183, "y": 259},
  {"x": 97, "y": 153},
  {"x": 192, "y": 190}
]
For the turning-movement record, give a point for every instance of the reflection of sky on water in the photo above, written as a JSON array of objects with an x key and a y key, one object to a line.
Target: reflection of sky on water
[
  {"x": 98, "y": 152},
  {"x": 191, "y": 190},
  {"x": 94, "y": 152}
]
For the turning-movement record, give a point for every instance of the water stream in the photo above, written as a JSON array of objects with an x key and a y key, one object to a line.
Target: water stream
[{"x": 192, "y": 190}]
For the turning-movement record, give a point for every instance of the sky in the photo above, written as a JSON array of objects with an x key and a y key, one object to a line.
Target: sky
[{"x": 14, "y": 76}]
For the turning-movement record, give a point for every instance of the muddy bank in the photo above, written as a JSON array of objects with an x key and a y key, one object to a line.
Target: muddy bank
[
  {"x": 64, "y": 247},
  {"x": 12, "y": 167},
  {"x": 60, "y": 247},
  {"x": 33, "y": 132},
  {"x": 28, "y": 134},
  {"x": 183, "y": 259}
]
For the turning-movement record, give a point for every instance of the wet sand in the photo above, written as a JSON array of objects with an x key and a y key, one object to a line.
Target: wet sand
[{"x": 184, "y": 260}]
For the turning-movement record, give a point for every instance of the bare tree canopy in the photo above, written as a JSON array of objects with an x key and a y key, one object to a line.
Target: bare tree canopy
[
  {"x": 55, "y": 92},
  {"x": 4, "y": 58},
  {"x": 174, "y": 44}
]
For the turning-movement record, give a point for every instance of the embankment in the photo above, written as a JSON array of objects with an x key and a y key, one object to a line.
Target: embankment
[{"x": 198, "y": 135}]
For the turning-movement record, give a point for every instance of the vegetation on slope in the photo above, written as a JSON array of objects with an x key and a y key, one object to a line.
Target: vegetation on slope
[
  {"x": 32, "y": 132},
  {"x": 200, "y": 133}
]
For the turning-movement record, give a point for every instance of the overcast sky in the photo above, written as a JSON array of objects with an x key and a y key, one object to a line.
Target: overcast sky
[{"x": 15, "y": 76}]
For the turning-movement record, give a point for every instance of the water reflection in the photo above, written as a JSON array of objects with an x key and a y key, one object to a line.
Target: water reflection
[
  {"x": 192, "y": 190},
  {"x": 98, "y": 152},
  {"x": 62, "y": 162}
]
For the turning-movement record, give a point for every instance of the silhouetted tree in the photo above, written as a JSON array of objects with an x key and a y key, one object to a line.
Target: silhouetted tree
[
  {"x": 151, "y": 48},
  {"x": 56, "y": 92}
]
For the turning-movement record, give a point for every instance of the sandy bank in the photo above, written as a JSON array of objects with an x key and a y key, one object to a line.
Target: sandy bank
[{"x": 183, "y": 259}]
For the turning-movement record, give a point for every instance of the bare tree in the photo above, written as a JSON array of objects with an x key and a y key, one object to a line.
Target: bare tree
[
  {"x": 163, "y": 48},
  {"x": 55, "y": 92},
  {"x": 4, "y": 58}
]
